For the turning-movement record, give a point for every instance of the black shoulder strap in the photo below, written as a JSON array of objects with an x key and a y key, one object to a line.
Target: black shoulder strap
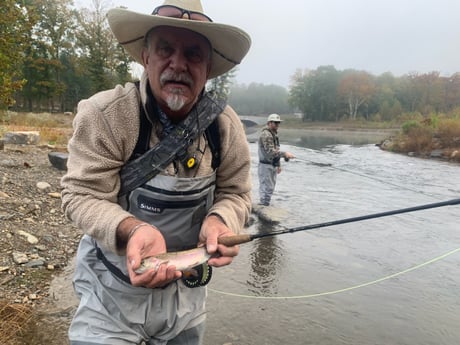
[
  {"x": 145, "y": 130},
  {"x": 213, "y": 136}
]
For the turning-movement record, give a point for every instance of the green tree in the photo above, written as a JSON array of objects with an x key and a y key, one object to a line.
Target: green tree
[
  {"x": 221, "y": 84},
  {"x": 384, "y": 101},
  {"x": 300, "y": 93},
  {"x": 50, "y": 38},
  {"x": 314, "y": 93},
  {"x": 78, "y": 85},
  {"x": 255, "y": 99},
  {"x": 452, "y": 92},
  {"x": 15, "y": 24},
  {"x": 105, "y": 61}
]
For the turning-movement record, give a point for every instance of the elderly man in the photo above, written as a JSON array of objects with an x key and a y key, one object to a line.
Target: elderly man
[
  {"x": 154, "y": 167},
  {"x": 269, "y": 159}
]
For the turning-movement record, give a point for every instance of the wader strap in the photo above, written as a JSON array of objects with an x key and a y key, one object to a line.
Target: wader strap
[{"x": 111, "y": 267}]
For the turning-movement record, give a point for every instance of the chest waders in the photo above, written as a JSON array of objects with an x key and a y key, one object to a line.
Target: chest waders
[
  {"x": 267, "y": 167},
  {"x": 176, "y": 206}
]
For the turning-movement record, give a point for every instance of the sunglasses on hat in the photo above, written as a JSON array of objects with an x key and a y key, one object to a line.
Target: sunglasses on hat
[{"x": 177, "y": 12}]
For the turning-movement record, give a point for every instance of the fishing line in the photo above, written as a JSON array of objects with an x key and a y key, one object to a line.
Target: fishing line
[
  {"x": 329, "y": 165},
  {"x": 334, "y": 292}
]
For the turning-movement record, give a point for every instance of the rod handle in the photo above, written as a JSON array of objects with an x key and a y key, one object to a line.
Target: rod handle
[{"x": 230, "y": 241}]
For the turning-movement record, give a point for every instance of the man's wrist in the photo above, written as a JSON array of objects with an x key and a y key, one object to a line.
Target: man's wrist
[
  {"x": 134, "y": 229},
  {"x": 221, "y": 219},
  {"x": 126, "y": 230}
]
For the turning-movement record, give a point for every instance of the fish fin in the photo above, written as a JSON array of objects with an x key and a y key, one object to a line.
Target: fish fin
[{"x": 191, "y": 272}]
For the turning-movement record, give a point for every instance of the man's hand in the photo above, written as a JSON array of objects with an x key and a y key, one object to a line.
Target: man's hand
[
  {"x": 288, "y": 156},
  {"x": 213, "y": 227},
  {"x": 147, "y": 241}
]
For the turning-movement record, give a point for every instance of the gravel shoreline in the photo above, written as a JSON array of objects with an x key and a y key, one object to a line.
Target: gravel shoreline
[{"x": 36, "y": 242}]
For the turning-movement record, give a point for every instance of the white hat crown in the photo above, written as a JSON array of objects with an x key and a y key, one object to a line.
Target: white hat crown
[{"x": 274, "y": 118}]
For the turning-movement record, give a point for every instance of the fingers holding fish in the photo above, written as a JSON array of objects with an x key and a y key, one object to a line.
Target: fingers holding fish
[
  {"x": 155, "y": 277},
  {"x": 156, "y": 274}
]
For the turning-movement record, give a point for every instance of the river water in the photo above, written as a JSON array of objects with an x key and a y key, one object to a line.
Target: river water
[{"x": 390, "y": 280}]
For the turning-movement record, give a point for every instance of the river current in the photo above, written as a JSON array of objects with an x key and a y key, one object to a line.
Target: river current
[{"x": 389, "y": 280}]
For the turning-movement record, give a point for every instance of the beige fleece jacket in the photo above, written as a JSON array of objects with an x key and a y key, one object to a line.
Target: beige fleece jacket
[{"x": 105, "y": 133}]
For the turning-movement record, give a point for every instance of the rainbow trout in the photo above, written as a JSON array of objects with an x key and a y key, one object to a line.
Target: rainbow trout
[{"x": 184, "y": 260}]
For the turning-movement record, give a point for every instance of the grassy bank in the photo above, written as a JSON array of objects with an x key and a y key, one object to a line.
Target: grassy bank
[
  {"x": 436, "y": 137},
  {"x": 55, "y": 129}
]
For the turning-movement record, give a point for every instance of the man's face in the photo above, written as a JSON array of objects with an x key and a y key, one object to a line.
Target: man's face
[
  {"x": 274, "y": 125},
  {"x": 177, "y": 62}
]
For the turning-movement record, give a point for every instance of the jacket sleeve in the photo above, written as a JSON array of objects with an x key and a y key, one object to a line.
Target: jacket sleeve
[{"x": 105, "y": 133}]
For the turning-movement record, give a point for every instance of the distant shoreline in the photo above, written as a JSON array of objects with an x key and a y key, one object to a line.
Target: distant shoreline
[
  {"x": 289, "y": 133},
  {"x": 340, "y": 129}
]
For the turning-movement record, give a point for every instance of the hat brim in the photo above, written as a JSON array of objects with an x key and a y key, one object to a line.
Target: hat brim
[{"x": 230, "y": 44}]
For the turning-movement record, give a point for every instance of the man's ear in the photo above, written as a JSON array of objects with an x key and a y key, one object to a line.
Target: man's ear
[{"x": 145, "y": 57}]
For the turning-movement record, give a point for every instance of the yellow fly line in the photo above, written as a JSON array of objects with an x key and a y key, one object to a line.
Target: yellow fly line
[{"x": 327, "y": 293}]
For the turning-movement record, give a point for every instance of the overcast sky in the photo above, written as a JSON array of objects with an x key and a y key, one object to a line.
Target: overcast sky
[{"x": 397, "y": 36}]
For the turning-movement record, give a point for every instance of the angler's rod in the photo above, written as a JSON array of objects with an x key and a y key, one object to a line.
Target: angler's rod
[{"x": 239, "y": 239}]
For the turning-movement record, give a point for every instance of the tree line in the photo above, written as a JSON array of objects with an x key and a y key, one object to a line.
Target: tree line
[
  {"x": 326, "y": 94},
  {"x": 52, "y": 55},
  {"x": 256, "y": 98}
]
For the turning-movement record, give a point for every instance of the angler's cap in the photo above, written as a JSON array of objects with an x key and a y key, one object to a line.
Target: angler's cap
[
  {"x": 229, "y": 43},
  {"x": 274, "y": 118}
]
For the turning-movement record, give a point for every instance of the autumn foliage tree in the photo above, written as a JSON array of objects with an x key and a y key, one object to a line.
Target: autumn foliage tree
[
  {"x": 326, "y": 94},
  {"x": 355, "y": 88}
]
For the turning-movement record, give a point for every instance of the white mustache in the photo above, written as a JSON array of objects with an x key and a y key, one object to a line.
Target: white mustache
[{"x": 168, "y": 76}]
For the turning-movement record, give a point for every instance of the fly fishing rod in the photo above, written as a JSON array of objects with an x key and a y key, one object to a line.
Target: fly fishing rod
[{"x": 240, "y": 239}]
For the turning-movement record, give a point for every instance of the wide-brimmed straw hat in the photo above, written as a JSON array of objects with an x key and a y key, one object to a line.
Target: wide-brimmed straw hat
[{"x": 229, "y": 43}]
